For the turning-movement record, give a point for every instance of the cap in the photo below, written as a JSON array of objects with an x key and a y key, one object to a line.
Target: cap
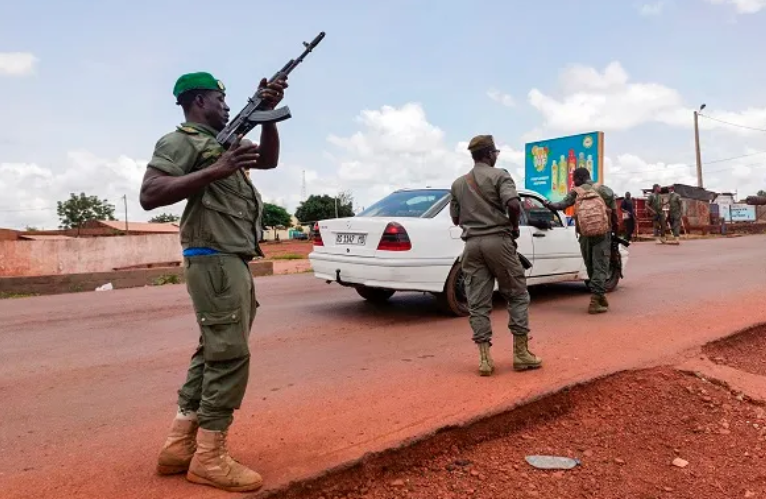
[
  {"x": 197, "y": 81},
  {"x": 481, "y": 142}
]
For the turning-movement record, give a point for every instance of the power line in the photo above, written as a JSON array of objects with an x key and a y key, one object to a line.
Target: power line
[
  {"x": 735, "y": 157},
  {"x": 733, "y": 124}
]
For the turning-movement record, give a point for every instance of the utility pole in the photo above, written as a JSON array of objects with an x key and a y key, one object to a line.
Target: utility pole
[
  {"x": 697, "y": 145},
  {"x": 336, "y": 206},
  {"x": 125, "y": 199}
]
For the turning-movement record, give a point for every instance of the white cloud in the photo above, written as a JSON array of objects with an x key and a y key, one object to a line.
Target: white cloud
[
  {"x": 398, "y": 147},
  {"x": 742, "y": 6},
  {"x": 652, "y": 9},
  {"x": 502, "y": 98},
  {"x": 17, "y": 63},
  {"x": 30, "y": 191},
  {"x": 607, "y": 100}
]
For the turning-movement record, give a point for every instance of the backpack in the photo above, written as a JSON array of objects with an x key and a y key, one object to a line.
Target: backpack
[{"x": 591, "y": 212}]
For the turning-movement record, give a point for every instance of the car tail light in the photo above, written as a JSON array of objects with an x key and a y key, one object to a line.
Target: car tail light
[
  {"x": 317, "y": 235},
  {"x": 394, "y": 238}
]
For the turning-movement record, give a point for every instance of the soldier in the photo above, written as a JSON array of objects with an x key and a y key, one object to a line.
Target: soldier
[
  {"x": 487, "y": 207},
  {"x": 220, "y": 229},
  {"x": 675, "y": 212},
  {"x": 654, "y": 207},
  {"x": 628, "y": 216},
  {"x": 596, "y": 250}
]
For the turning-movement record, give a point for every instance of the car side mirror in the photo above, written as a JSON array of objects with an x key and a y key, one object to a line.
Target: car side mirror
[{"x": 541, "y": 218}]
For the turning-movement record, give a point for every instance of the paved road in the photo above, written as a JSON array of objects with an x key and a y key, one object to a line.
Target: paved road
[{"x": 88, "y": 381}]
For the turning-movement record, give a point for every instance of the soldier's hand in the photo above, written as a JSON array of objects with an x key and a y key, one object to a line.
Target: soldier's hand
[
  {"x": 272, "y": 93},
  {"x": 242, "y": 154}
]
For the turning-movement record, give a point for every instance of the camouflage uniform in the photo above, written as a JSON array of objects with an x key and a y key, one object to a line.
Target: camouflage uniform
[
  {"x": 655, "y": 202},
  {"x": 675, "y": 213},
  {"x": 596, "y": 250},
  {"x": 490, "y": 254}
]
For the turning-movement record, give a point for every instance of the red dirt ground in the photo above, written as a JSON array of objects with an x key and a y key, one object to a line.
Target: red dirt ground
[
  {"x": 746, "y": 351},
  {"x": 626, "y": 430}
]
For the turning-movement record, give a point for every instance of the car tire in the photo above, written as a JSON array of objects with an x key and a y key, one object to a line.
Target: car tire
[
  {"x": 375, "y": 295},
  {"x": 613, "y": 281},
  {"x": 452, "y": 300}
]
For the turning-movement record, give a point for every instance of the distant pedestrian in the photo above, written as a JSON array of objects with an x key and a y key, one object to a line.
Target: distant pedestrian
[
  {"x": 628, "y": 216},
  {"x": 675, "y": 212},
  {"x": 596, "y": 221},
  {"x": 486, "y": 205},
  {"x": 654, "y": 207}
]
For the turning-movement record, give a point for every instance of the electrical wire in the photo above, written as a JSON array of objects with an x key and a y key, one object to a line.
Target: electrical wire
[{"x": 733, "y": 124}]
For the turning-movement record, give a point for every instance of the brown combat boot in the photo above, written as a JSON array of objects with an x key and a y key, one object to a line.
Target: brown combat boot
[
  {"x": 212, "y": 465},
  {"x": 603, "y": 301},
  {"x": 596, "y": 306},
  {"x": 179, "y": 447},
  {"x": 523, "y": 359},
  {"x": 486, "y": 365}
]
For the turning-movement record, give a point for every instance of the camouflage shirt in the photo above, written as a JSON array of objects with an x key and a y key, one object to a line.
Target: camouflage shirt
[
  {"x": 226, "y": 214},
  {"x": 675, "y": 205}
]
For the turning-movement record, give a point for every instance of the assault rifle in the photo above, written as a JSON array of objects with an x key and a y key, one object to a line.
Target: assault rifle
[{"x": 254, "y": 114}]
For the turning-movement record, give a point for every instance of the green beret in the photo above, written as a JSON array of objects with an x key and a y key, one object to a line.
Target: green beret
[
  {"x": 481, "y": 142},
  {"x": 197, "y": 81}
]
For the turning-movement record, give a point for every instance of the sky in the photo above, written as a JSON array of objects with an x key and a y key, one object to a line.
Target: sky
[{"x": 390, "y": 97}]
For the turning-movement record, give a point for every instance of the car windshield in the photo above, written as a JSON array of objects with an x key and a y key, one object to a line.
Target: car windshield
[{"x": 415, "y": 204}]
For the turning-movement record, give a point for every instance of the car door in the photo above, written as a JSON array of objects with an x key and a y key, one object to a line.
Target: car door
[{"x": 556, "y": 252}]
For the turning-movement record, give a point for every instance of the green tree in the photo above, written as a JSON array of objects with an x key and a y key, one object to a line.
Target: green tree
[
  {"x": 762, "y": 194},
  {"x": 164, "y": 218},
  {"x": 316, "y": 208},
  {"x": 77, "y": 210},
  {"x": 275, "y": 216}
]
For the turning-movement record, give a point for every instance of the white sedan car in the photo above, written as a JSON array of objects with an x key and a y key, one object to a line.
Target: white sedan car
[{"x": 407, "y": 242}]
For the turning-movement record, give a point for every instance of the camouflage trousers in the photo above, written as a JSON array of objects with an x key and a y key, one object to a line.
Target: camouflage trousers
[
  {"x": 596, "y": 252},
  {"x": 659, "y": 225},
  {"x": 486, "y": 259},
  {"x": 223, "y": 296},
  {"x": 675, "y": 224}
]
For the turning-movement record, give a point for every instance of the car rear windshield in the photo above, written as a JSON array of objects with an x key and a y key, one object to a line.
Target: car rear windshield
[{"x": 414, "y": 204}]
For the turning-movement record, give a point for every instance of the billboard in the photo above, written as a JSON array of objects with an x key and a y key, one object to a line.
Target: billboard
[
  {"x": 738, "y": 212},
  {"x": 549, "y": 164}
]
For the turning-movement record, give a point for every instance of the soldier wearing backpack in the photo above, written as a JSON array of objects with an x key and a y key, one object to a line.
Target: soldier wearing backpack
[{"x": 596, "y": 221}]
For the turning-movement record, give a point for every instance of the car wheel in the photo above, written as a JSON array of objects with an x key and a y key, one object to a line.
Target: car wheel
[
  {"x": 613, "y": 281},
  {"x": 453, "y": 299},
  {"x": 375, "y": 295}
]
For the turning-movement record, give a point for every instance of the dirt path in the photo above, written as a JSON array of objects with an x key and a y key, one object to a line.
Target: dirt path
[{"x": 92, "y": 377}]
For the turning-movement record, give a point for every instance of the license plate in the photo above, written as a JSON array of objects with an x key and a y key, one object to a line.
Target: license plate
[{"x": 350, "y": 239}]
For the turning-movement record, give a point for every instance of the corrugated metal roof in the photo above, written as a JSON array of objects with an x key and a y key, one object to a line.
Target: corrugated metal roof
[
  {"x": 167, "y": 228},
  {"x": 42, "y": 237}
]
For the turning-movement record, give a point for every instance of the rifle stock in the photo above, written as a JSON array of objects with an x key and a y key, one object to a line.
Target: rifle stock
[{"x": 253, "y": 114}]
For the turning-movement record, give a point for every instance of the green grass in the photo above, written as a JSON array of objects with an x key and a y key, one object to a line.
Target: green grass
[
  {"x": 5, "y": 296},
  {"x": 288, "y": 256}
]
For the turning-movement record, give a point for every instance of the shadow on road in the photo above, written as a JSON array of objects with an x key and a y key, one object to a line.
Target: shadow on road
[{"x": 406, "y": 307}]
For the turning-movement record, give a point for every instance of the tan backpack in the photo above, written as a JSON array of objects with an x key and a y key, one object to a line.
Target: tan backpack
[{"x": 591, "y": 212}]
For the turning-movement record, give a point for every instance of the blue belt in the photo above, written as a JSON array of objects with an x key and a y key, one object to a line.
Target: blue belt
[{"x": 200, "y": 251}]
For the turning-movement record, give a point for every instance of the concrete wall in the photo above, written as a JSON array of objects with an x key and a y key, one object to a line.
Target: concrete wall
[
  {"x": 85, "y": 255},
  {"x": 73, "y": 283}
]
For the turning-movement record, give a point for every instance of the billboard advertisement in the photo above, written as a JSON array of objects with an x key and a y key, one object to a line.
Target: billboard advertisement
[
  {"x": 549, "y": 164},
  {"x": 738, "y": 212}
]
